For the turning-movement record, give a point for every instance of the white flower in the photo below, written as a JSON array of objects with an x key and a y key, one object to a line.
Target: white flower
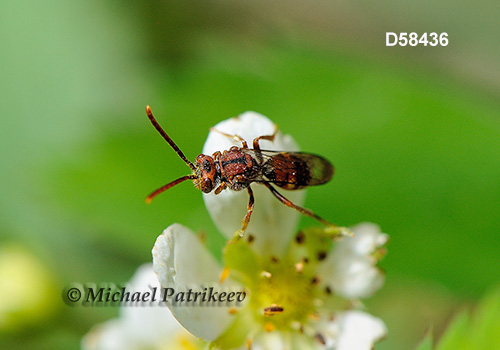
[
  {"x": 358, "y": 330},
  {"x": 300, "y": 289},
  {"x": 139, "y": 327},
  {"x": 352, "y": 267},
  {"x": 182, "y": 263}
]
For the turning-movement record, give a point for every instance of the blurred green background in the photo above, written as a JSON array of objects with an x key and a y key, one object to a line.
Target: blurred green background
[{"x": 414, "y": 133}]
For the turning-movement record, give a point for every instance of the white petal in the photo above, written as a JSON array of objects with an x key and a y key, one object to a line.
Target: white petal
[
  {"x": 350, "y": 270},
  {"x": 359, "y": 280},
  {"x": 179, "y": 257},
  {"x": 109, "y": 335},
  {"x": 154, "y": 322},
  {"x": 269, "y": 341},
  {"x": 137, "y": 327},
  {"x": 359, "y": 331},
  {"x": 272, "y": 223},
  {"x": 182, "y": 262},
  {"x": 367, "y": 238},
  {"x": 283, "y": 340}
]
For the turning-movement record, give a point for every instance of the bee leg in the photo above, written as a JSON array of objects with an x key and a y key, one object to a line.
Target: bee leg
[
  {"x": 217, "y": 156},
  {"x": 221, "y": 188},
  {"x": 288, "y": 203},
  {"x": 246, "y": 219},
  {"x": 234, "y": 137},
  {"x": 256, "y": 140},
  {"x": 256, "y": 145}
]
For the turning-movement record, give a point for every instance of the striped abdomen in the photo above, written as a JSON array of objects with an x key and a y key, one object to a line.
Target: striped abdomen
[{"x": 293, "y": 171}]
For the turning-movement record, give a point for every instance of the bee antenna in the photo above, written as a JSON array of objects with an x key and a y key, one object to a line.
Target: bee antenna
[
  {"x": 167, "y": 138},
  {"x": 167, "y": 186}
]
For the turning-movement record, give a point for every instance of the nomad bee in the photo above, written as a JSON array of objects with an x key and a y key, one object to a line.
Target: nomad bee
[{"x": 239, "y": 167}]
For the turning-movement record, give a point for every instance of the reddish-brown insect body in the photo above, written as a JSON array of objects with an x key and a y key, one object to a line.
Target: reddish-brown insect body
[{"x": 239, "y": 167}]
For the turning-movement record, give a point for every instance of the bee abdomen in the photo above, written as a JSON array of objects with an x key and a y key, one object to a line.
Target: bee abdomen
[{"x": 294, "y": 176}]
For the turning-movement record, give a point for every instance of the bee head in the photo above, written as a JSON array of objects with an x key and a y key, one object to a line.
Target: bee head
[{"x": 205, "y": 173}]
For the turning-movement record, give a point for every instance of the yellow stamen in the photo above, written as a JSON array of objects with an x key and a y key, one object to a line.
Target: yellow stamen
[
  {"x": 269, "y": 327},
  {"x": 224, "y": 274}
]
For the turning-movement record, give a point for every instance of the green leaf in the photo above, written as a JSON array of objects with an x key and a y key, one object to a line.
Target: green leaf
[
  {"x": 426, "y": 343},
  {"x": 475, "y": 330},
  {"x": 455, "y": 335}
]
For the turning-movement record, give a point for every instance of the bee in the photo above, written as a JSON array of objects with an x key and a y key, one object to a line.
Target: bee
[{"x": 239, "y": 167}]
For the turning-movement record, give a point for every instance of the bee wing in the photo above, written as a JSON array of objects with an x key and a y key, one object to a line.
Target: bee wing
[{"x": 289, "y": 167}]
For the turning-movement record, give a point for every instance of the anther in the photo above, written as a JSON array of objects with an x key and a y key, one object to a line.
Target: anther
[
  {"x": 273, "y": 310},
  {"x": 322, "y": 255},
  {"x": 266, "y": 274},
  {"x": 300, "y": 237}
]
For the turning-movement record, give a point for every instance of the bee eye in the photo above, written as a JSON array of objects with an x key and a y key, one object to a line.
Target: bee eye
[{"x": 207, "y": 166}]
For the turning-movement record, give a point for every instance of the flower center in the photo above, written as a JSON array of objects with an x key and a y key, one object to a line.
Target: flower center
[
  {"x": 283, "y": 296},
  {"x": 287, "y": 294}
]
